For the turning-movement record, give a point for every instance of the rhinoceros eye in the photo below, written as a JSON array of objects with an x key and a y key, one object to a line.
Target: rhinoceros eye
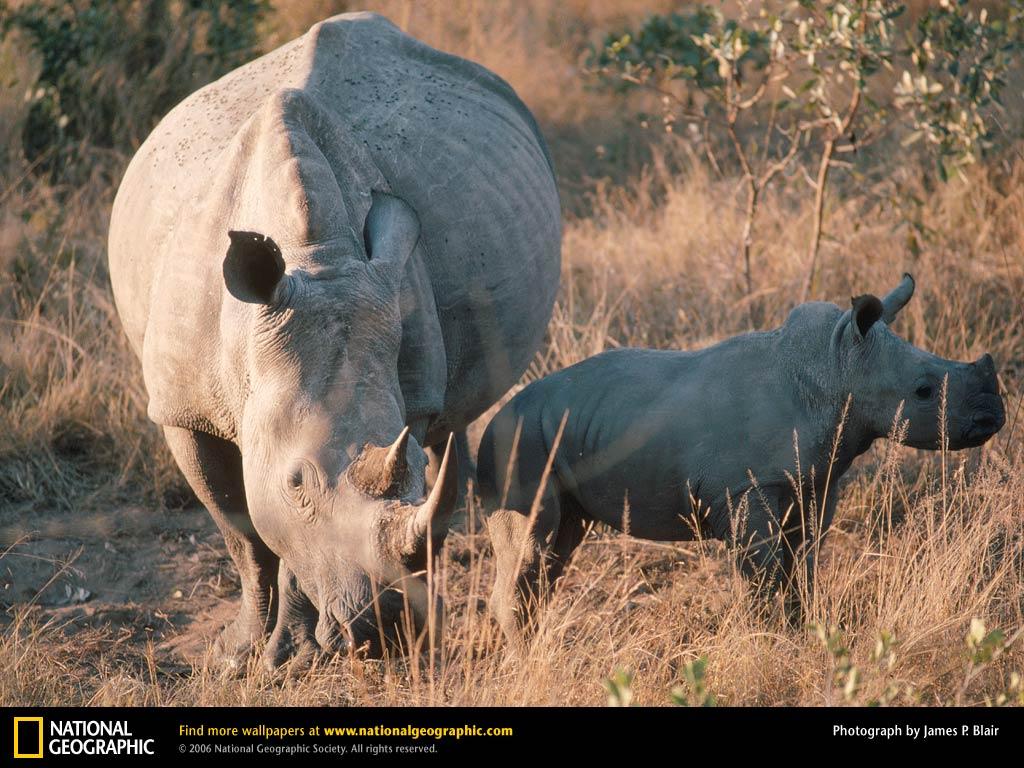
[
  {"x": 300, "y": 485},
  {"x": 924, "y": 392}
]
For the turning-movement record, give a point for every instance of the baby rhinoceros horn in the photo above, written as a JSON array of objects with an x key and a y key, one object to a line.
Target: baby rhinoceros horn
[{"x": 383, "y": 472}]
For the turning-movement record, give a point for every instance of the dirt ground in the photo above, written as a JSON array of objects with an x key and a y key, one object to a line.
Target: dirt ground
[
  {"x": 163, "y": 578},
  {"x": 160, "y": 576}
]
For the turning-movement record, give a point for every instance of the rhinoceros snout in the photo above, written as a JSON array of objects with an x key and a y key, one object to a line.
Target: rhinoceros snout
[
  {"x": 990, "y": 417},
  {"x": 339, "y": 632},
  {"x": 985, "y": 411},
  {"x": 987, "y": 417},
  {"x": 985, "y": 370}
]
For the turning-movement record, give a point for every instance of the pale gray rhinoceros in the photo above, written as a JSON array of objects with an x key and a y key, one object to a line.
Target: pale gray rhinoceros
[
  {"x": 350, "y": 236},
  {"x": 671, "y": 445}
]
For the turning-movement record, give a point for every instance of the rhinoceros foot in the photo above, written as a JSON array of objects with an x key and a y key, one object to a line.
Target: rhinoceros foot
[
  {"x": 237, "y": 640},
  {"x": 291, "y": 645}
]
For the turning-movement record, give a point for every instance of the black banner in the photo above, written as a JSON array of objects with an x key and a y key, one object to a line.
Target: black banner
[{"x": 200, "y": 735}]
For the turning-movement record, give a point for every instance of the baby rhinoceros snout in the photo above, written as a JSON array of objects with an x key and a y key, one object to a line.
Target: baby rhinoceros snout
[
  {"x": 990, "y": 422},
  {"x": 988, "y": 414},
  {"x": 985, "y": 369}
]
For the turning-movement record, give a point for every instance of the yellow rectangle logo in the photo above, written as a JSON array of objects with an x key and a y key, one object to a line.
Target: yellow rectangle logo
[{"x": 29, "y": 743}]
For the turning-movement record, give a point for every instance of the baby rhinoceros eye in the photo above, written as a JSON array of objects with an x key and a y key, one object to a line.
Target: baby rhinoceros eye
[{"x": 924, "y": 392}]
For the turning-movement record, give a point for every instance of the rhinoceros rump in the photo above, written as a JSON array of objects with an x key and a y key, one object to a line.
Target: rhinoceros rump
[
  {"x": 668, "y": 445},
  {"x": 327, "y": 261}
]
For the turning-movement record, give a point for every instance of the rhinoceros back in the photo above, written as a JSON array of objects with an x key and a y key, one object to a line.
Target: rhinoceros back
[{"x": 444, "y": 134}]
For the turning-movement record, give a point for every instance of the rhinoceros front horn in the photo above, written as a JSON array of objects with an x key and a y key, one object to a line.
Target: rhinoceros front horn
[
  {"x": 432, "y": 517},
  {"x": 383, "y": 472}
]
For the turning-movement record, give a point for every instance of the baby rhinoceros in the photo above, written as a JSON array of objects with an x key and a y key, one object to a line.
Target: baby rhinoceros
[{"x": 719, "y": 443}]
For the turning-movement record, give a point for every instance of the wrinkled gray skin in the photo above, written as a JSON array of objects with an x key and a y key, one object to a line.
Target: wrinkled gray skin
[
  {"x": 350, "y": 236},
  {"x": 664, "y": 444}
]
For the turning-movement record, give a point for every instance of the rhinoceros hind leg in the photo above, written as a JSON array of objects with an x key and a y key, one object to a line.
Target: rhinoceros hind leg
[
  {"x": 293, "y": 640},
  {"x": 762, "y": 545},
  {"x": 213, "y": 467}
]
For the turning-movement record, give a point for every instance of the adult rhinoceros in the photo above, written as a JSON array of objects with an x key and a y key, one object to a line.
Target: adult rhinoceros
[{"x": 327, "y": 261}]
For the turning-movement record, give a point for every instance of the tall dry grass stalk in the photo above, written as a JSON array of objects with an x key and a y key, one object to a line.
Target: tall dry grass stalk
[
  {"x": 645, "y": 607},
  {"x": 650, "y": 258}
]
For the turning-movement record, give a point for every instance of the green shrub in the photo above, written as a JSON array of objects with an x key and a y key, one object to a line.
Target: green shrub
[{"x": 110, "y": 69}]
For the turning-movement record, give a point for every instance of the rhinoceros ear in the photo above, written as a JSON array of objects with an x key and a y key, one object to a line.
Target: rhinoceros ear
[
  {"x": 391, "y": 231},
  {"x": 253, "y": 267},
  {"x": 867, "y": 310}
]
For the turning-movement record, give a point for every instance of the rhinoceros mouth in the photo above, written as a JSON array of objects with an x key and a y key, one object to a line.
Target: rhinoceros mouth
[
  {"x": 972, "y": 440},
  {"x": 368, "y": 632},
  {"x": 985, "y": 423},
  {"x": 385, "y": 610}
]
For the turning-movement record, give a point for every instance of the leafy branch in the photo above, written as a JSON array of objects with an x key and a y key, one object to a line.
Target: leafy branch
[{"x": 803, "y": 82}]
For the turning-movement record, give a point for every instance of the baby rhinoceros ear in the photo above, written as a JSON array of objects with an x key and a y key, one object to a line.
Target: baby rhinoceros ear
[
  {"x": 253, "y": 267},
  {"x": 867, "y": 310}
]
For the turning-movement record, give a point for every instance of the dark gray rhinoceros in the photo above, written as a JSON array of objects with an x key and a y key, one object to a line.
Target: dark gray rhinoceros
[
  {"x": 668, "y": 445},
  {"x": 328, "y": 261}
]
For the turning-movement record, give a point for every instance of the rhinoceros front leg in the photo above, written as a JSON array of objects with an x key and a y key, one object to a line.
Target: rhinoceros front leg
[
  {"x": 529, "y": 558},
  {"x": 213, "y": 467},
  {"x": 293, "y": 639},
  {"x": 803, "y": 543},
  {"x": 760, "y": 543}
]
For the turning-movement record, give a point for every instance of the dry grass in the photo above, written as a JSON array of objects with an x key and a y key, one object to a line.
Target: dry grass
[{"x": 922, "y": 544}]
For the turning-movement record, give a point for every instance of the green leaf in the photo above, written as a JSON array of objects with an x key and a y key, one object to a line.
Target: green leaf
[{"x": 619, "y": 686}]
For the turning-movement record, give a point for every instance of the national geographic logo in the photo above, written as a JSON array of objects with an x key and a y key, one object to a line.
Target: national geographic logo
[
  {"x": 76, "y": 737},
  {"x": 28, "y": 737}
]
